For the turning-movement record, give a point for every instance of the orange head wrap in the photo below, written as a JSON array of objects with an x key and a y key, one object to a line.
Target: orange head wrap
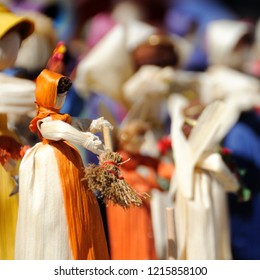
[
  {"x": 46, "y": 88},
  {"x": 46, "y": 93}
]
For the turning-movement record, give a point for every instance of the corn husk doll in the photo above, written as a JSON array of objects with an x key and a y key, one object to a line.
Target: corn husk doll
[
  {"x": 156, "y": 59},
  {"x": 59, "y": 217},
  {"x": 243, "y": 143},
  {"x": 131, "y": 233},
  {"x": 16, "y": 99},
  {"x": 200, "y": 183},
  {"x": 241, "y": 92},
  {"x": 100, "y": 71}
]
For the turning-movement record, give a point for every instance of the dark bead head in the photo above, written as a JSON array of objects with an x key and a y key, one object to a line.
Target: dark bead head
[{"x": 64, "y": 85}]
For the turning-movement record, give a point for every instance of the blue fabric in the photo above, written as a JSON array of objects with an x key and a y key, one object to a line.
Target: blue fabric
[
  {"x": 244, "y": 142},
  {"x": 201, "y": 12},
  {"x": 73, "y": 104},
  {"x": 184, "y": 15}
]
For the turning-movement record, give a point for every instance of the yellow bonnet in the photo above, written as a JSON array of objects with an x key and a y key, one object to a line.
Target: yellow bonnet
[{"x": 10, "y": 21}]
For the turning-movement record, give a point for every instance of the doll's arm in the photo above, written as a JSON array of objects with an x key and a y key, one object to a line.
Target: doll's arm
[
  {"x": 98, "y": 124},
  {"x": 58, "y": 130},
  {"x": 215, "y": 164}
]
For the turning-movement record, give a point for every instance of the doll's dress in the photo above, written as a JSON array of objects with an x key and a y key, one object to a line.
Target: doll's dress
[
  {"x": 130, "y": 230},
  {"x": 59, "y": 217}
]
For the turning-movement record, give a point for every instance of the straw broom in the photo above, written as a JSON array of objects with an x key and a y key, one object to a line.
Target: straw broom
[{"x": 106, "y": 179}]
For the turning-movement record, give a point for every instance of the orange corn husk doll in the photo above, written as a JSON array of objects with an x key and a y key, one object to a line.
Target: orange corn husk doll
[
  {"x": 131, "y": 234},
  {"x": 59, "y": 217}
]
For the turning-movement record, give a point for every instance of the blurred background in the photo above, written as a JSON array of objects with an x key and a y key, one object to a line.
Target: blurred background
[{"x": 203, "y": 50}]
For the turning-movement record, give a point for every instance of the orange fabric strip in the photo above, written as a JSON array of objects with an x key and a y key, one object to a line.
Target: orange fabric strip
[
  {"x": 43, "y": 113},
  {"x": 86, "y": 233}
]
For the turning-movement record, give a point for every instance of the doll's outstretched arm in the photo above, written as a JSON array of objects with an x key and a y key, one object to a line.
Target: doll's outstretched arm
[
  {"x": 214, "y": 163},
  {"x": 58, "y": 130}
]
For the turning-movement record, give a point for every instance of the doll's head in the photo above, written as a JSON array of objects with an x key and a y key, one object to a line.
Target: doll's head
[
  {"x": 64, "y": 85},
  {"x": 132, "y": 136},
  {"x": 228, "y": 42},
  {"x": 51, "y": 89},
  {"x": 13, "y": 30},
  {"x": 158, "y": 50}
]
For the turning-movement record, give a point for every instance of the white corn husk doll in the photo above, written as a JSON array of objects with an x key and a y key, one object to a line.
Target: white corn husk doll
[
  {"x": 59, "y": 217},
  {"x": 200, "y": 183},
  {"x": 101, "y": 70},
  {"x": 147, "y": 91}
]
